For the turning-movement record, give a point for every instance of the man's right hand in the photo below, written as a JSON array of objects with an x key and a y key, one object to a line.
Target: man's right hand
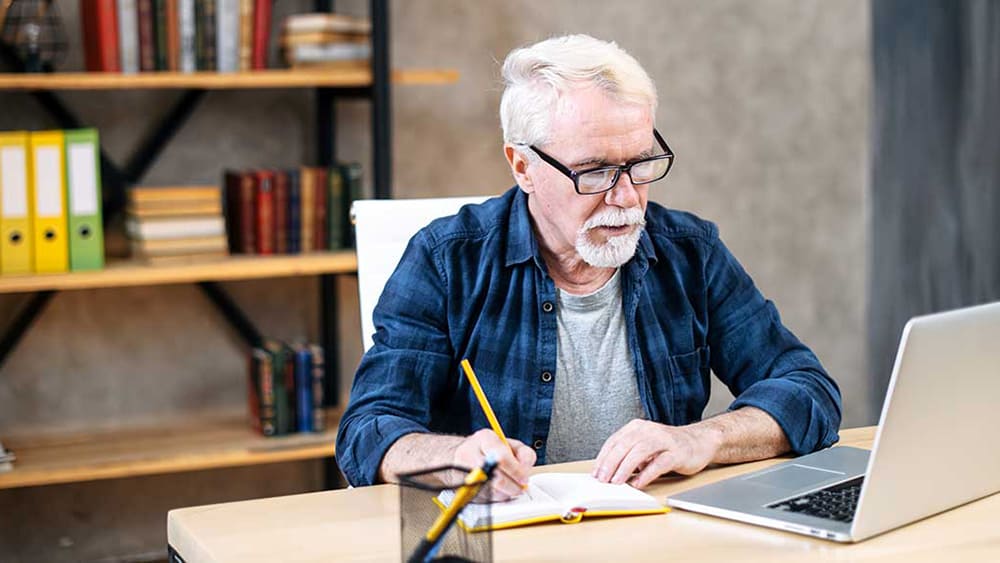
[
  {"x": 417, "y": 452},
  {"x": 511, "y": 474}
]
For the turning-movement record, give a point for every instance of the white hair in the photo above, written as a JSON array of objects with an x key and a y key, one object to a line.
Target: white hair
[{"x": 535, "y": 76}]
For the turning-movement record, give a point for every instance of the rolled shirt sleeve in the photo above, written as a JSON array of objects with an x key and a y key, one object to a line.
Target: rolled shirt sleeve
[
  {"x": 763, "y": 363},
  {"x": 406, "y": 368}
]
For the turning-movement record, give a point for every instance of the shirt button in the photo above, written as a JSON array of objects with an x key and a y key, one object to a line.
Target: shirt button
[
  {"x": 538, "y": 444},
  {"x": 547, "y": 307},
  {"x": 546, "y": 376}
]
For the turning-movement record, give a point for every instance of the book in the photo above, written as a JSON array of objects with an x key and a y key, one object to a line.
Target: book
[
  {"x": 261, "y": 34},
  {"x": 334, "y": 209},
  {"x": 227, "y": 36},
  {"x": 188, "y": 57},
  {"x": 318, "y": 384},
  {"x": 181, "y": 259},
  {"x": 156, "y": 209},
  {"x": 322, "y": 37},
  {"x": 160, "y": 51},
  {"x": 173, "y": 38},
  {"x": 351, "y": 190},
  {"x": 327, "y": 52},
  {"x": 147, "y": 36},
  {"x": 320, "y": 220},
  {"x": 246, "y": 34},
  {"x": 264, "y": 233},
  {"x": 260, "y": 393},
  {"x": 128, "y": 35},
  {"x": 294, "y": 211},
  {"x": 303, "y": 389},
  {"x": 174, "y": 228},
  {"x": 324, "y": 22},
  {"x": 560, "y": 497},
  {"x": 143, "y": 195},
  {"x": 99, "y": 19},
  {"x": 241, "y": 190},
  {"x": 307, "y": 208},
  {"x": 281, "y": 363},
  {"x": 174, "y": 247},
  {"x": 281, "y": 212},
  {"x": 205, "y": 30}
]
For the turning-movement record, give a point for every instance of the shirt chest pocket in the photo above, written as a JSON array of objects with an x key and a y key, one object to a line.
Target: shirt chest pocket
[{"x": 690, "y": 383}]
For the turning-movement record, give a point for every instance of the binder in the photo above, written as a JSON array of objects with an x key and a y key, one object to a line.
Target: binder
[
  {"x": 47, "y": 205},
  {"x": 15, "y": 222},
  {"x": 83, "y": 193}
]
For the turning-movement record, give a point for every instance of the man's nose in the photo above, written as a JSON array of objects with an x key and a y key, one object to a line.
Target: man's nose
[{"x": 624, "y": 193}]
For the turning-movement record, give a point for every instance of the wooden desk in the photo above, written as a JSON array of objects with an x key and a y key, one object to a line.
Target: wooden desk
[{"x": 362, "y": 524}]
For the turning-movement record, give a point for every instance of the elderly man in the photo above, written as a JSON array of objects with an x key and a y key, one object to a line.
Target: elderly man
[{"x": 592, "y": 316}]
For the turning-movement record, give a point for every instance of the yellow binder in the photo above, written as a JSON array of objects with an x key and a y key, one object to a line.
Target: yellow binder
[
  {"x": 48, "y": 202},
  {"x": 15, "y": 223}
]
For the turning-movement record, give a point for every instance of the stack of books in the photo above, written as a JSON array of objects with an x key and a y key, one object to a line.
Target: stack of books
[
  {"x": 326, "y": 40},
  {"x": 176, "y": 224},
  {"x": 285, "y": 388}
]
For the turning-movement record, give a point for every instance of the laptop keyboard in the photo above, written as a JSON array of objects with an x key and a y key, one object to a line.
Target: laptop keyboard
[{"x": 835, "y": 503}]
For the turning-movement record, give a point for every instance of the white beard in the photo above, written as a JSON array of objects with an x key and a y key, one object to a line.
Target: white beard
[{"x": 617, "y": 250}]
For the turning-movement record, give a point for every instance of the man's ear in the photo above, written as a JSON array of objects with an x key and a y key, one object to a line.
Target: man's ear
[{"x": 518, "y": 167}]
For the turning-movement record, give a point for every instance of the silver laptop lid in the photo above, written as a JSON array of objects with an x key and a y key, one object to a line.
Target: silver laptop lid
[{"x": 936, "y": 445}]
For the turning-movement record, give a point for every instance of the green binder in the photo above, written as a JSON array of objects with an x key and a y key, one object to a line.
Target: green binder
[{"x": 83, "y": 194}]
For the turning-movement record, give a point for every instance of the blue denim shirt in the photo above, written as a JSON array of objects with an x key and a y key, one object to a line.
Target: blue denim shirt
[{"x": 474, "y": 286}]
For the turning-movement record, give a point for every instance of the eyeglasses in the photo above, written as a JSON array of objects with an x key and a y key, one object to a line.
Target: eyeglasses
[{"x": 602, "y": 178}]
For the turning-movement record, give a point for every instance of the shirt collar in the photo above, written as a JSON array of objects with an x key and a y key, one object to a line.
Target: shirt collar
[{"x": 521, "y": 244}]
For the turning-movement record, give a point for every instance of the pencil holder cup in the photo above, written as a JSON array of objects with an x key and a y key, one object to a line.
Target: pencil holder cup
[{"x": 424, "y": 497}]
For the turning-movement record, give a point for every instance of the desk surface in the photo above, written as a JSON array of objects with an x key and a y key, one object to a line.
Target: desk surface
[{"x": 362, "y": 524}]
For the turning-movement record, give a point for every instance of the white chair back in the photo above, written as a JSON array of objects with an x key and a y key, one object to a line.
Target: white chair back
[{"x": 382, "y": 228}]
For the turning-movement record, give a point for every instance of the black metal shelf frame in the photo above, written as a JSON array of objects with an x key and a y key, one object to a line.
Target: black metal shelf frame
[{"x": 115, "y": 180}]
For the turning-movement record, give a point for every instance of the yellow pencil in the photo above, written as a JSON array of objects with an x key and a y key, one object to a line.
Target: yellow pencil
[
  {"x": 483, "y": 402},
  {"x": 487, "y": 409}
]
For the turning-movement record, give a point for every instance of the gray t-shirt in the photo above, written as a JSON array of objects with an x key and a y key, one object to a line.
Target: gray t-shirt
[{"x": 596, "y": 390}]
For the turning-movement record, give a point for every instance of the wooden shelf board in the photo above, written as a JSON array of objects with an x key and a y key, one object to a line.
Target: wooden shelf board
[
  {"x": 273, "y": 78},
  {"x": 207, "y": 442},
  {"x": 238, "y": 267}
]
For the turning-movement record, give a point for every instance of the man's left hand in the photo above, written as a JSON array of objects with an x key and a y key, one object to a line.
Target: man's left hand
[{"x": 653, "y": 449}]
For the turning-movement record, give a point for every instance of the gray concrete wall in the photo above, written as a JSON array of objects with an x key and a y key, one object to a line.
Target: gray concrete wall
[{"x": 765, "y": 104}]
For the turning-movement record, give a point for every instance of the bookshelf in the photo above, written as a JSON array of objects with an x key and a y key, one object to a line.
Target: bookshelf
[
  {"x": 208, "y": 441},
  {"x": 260, "y": 79},
  {"x": 236, "y": 267},
  {"x": 219, "y": 439}
]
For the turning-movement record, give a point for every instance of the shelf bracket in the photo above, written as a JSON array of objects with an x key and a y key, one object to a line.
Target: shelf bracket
[
  {"x": 328, "y": 338},
  {"x": 22, "y": 322},
  {"x": 165, "y": 130},
  {"x": 232, "y": 313},
  {"x": 381, "y": 101}
]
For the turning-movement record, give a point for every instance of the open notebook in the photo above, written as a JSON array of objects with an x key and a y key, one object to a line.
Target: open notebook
[{"x": 566, "y": 497}]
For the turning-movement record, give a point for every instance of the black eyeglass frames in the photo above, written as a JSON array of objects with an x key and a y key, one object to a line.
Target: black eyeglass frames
[{"x": 600, "y": 179}]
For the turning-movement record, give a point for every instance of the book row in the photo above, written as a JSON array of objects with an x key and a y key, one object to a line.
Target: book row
[
  {"x": 285, "y": 388},
  {"x": 50, "y": 209},
  {"x": 290, "y": 211},
  {"x": 175, "y": 35}
]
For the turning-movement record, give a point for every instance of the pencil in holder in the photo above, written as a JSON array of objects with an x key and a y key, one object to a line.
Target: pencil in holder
[{"x": 423, "y": 498}]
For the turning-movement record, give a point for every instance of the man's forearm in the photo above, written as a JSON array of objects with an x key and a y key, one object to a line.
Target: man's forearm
[
  {"x": 416, "y": 452},
  {"x": 746, "y": 434}
]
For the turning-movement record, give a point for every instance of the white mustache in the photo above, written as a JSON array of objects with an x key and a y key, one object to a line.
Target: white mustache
[{"x": 615, "y": 217}]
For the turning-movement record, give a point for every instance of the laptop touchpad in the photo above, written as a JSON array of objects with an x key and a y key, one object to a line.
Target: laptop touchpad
[{"x": 793, "y": 477}]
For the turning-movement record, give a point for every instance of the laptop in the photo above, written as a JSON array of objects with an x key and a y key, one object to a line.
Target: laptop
[{"x": 935, "y": 448}]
